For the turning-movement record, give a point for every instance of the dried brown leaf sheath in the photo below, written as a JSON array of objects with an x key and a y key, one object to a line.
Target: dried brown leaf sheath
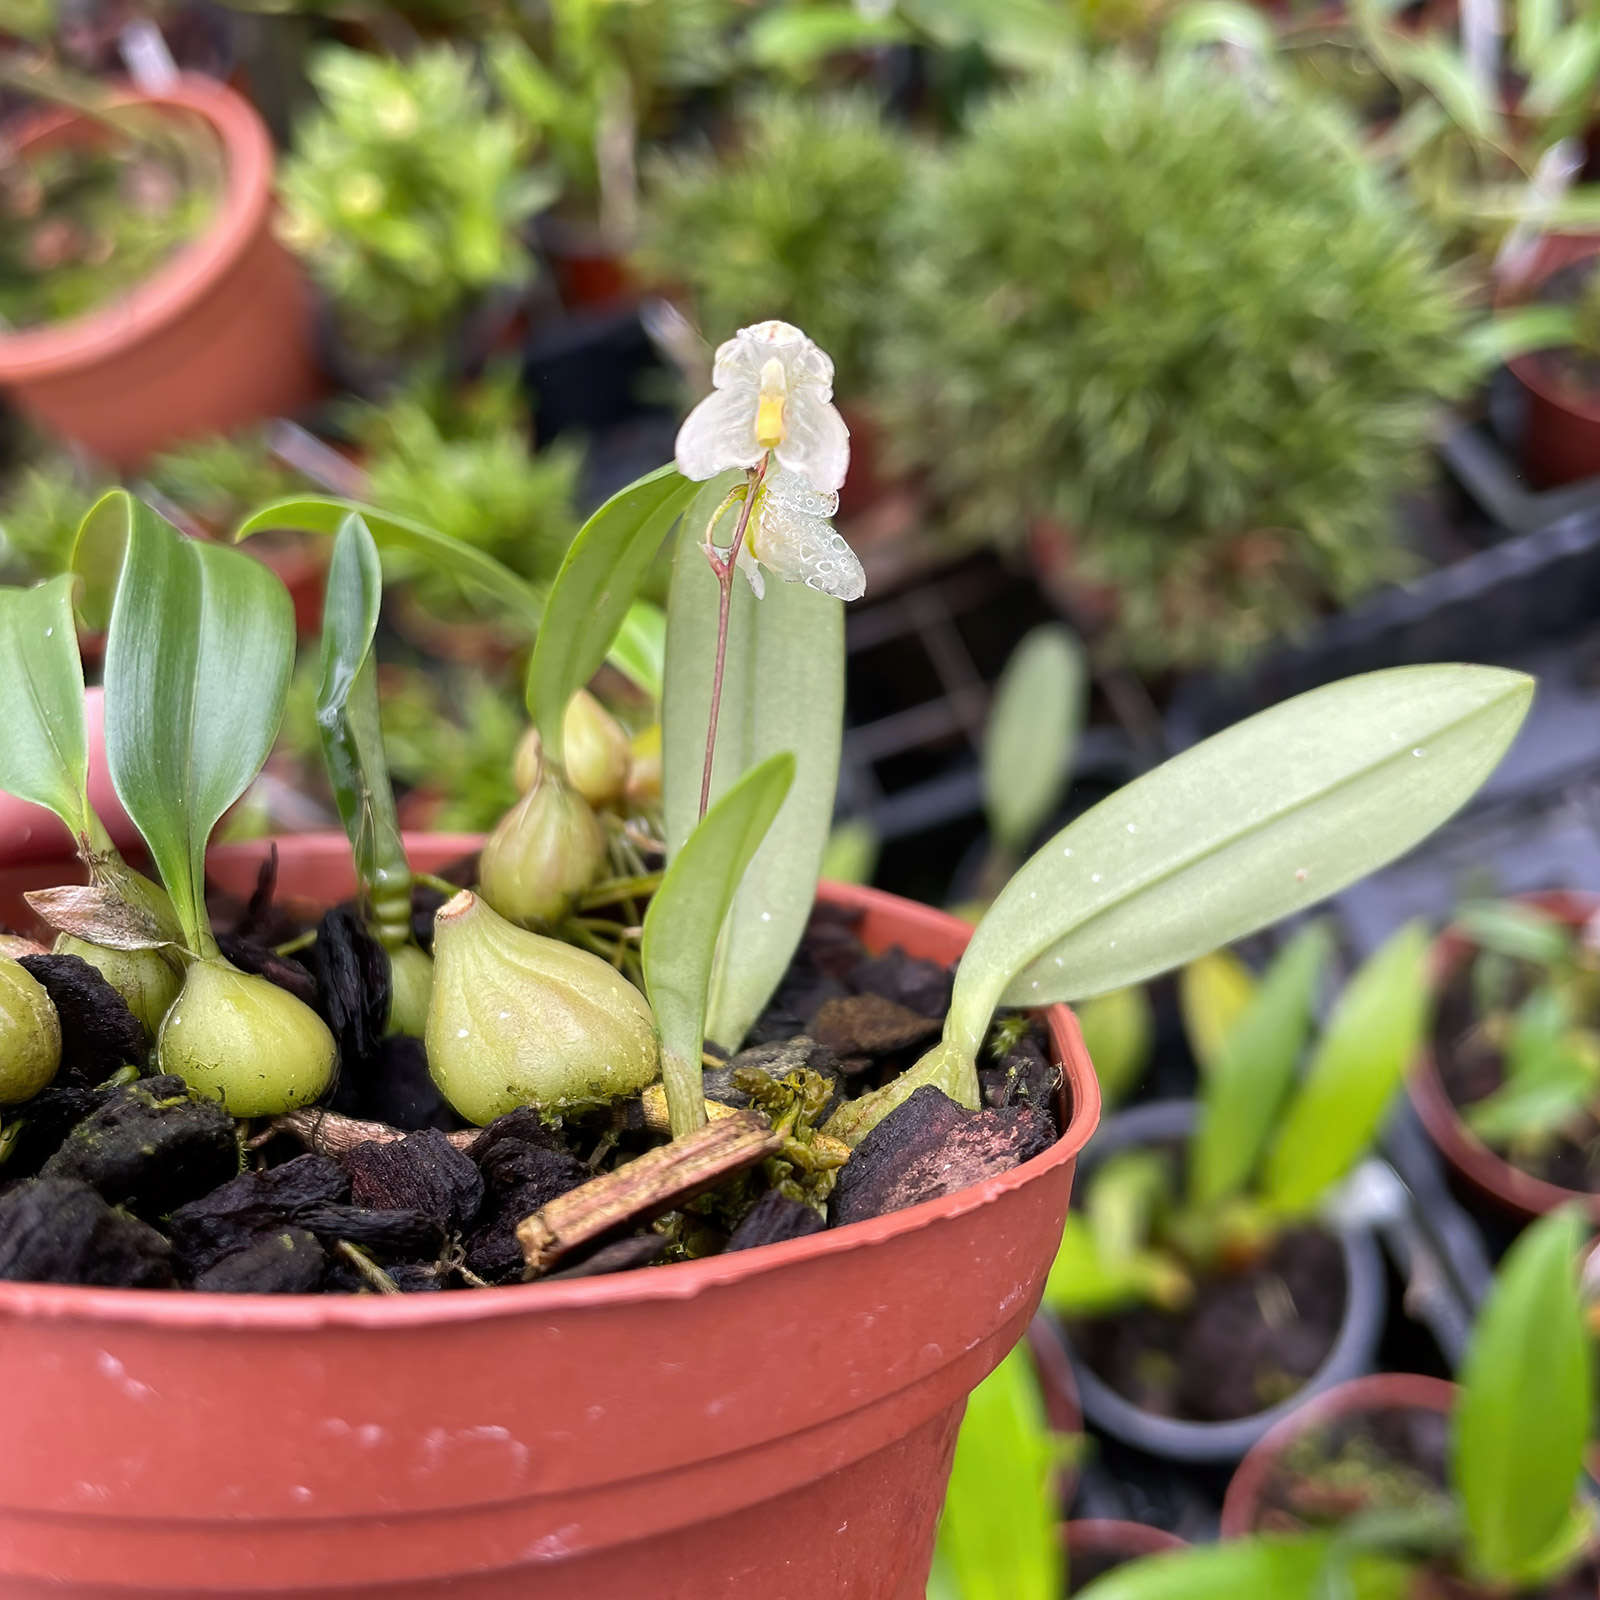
[{"x": 658, "y": 1182}]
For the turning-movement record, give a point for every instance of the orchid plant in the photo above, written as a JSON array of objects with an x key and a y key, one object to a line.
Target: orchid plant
[{"x": 535, "y": 1001}]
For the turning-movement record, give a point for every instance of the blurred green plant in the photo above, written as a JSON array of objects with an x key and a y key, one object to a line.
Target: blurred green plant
[
  {"x": 998, "y": 1535},
  {"x": 218, "y": 478},
  {"x": 40, "y": 509},
  {"x": 1512, "y": 1520},
  {"x": 406, "y": 193},
  {"x": 460, "y": 463},
  {"x": 790, "y": 221},
  {"x": 1268, "y": 1149},
  {"x": 1182, "y": 328}
]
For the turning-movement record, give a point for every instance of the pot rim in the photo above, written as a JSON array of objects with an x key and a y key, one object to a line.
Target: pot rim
[
  {"x": 1380, "y": 1391},
  {"x": 685, "y": 1280},
  {"x": 1554, "y": 252},
  {"x": 1180, "y": 1439},
  {"x": 172, "y": 289},
  {"x": 1082, "y": 1536},
  {"x": 1480, "y": 1164}
]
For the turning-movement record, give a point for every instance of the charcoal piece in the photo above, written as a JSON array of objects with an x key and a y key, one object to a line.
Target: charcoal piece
[
  {"x": 352, "y": 973},
  {"x": 493, "y": 1252},
  {"x": 57, "y": 1230},
  {"x": 791, "y": 1009},
  {"x": 929, "y": 1146},
  {"x": 415, "y": 1277},
  {"x": 1024, "y": 1075},
  {"x": 423, "y": 1172},
  {"x": 425, "y": 903},
  {"x": 394, "y": 1087},
  {"x": 254, "y": 1203},
  {"x": 517, "y": 1151},
  {"x": 921, "y": 986},
  {"x": 772, "y": 1219},
  {"x": 99, "y": 1034},
  {"x": 869, "y": 1025},
  {"x": 150, "y": 1146},
  {"x": 717, "y": 1082},
  {"x": 831, "y": 946},
  {"x": 290, "y": 1261},
  {"x": 388, "y": 1235},
  {"x": 621, "y": 1255},
  {"x": 262, "y": 961},
  {"x": 44, "y": 1124}
]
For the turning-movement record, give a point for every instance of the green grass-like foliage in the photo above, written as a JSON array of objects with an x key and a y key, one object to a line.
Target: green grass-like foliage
[
  {"x": 789, "y": 223},
  {"x": 1189, "y": 324},
  {"x": 406, "y": 192}
]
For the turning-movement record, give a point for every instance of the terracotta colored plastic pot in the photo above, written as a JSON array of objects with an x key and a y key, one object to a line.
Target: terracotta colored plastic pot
[
  {"x": 30, "y": 833},
  {"x": 1175, "y": 1439},
  {"x": 1561, "y": 442},
  {"x": 1383, "y": 1391},
  {"x": 772, "y": 1425},
  {"x": 1481, "y": 1168},
  {"x": 1101, "y": 1539},
  {"x": 218, "y": 337}
]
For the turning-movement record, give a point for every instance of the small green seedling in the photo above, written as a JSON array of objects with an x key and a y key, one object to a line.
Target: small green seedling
[
  {"x": 1512, "y": 1519},
  {"x": 1269, "y": 1149}
]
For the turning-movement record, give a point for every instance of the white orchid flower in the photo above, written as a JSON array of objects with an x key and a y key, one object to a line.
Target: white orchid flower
[
  {"x": 771, "y": 410},
  {"x": 772, "y": 391}
]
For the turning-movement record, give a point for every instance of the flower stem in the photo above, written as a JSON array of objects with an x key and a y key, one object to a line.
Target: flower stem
[{"x": 724, "y": 566}]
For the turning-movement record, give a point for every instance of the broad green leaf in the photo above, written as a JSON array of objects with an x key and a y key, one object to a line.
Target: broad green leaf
[
  {"x": 1537, "y": 24},
  {"x": 44, "y": 752},
  {"x": 1563, "y": 80},
  {"x": 1444, "y": 72},
  {"x": 1123, "y": 1198},
  {"x": 325, "y": 514},
  {"x": 597, "y": 583},
  {"x": 1118, "y": 1031},
  {"x": 1259, "y": 821},
  {"x": 798, "y": 40},
  {"x": 197, "y": 670},
  {"x": 1371, "y": 1037},
  {"x": 1552, "y": 1072},
  {"x": 1524, "y": 1412},
  {"x": 783, "y": 690},
  {"x": 1257, "y": 1568},
  {"x": 851, "y": 854},
  {"x": 1245, "y": 1089},
  {"x": 639, "y": 651},
  {"x": 998, "y": 1537},
  {"x": 686, "y": 915},
  {"x": 1033, "y": 728},
  {"x": 351, "y": 731},
  {"x": 1243, "y": 28},
  {"x": 1214, "y": 990}
]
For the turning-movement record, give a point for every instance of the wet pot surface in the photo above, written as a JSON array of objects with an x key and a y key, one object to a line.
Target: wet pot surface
[{"x": 772, "y": 1424}]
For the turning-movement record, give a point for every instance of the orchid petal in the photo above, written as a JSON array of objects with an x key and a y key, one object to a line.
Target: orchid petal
[
  {"x": 720, "y": 433},
  {"x": 805, "y": 549},
  {"x": 818, "y": 443}
]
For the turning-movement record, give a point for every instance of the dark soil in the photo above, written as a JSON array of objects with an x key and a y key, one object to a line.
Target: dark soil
[
  {"x": 1222, "y": 1358},
  {"x": 1471, "y": 1069},
  {"x": 138, "y": 1184},
  {"x": 1394, "y": 1460}
]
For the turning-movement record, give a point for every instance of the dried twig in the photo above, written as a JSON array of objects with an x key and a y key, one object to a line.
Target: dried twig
[{"x": 330, "y": 1133}]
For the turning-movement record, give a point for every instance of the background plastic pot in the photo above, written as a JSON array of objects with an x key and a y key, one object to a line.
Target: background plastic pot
[
  {"x": 1383, "y": 1391},
  {"x": 1166, "y": 1121},
  {"x": 1561, "y": 435},
  {"x": 1481, "y": 1168},
  {"x": 217, "y": 338},
  {"x": 773, "y": 1425},
  {"x": 1101, "y": 1541}
]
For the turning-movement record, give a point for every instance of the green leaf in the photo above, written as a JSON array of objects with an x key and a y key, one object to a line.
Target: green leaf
[
  {"x": 639, "y": 651},
  {"x": 1213, "y": 993},
  {"x": 851, "y": 854},
  {"x": 1442, "y": 70},
  {"x": 686, "y": 916},
  {"x": 798, "y": 41},
  {"x": 596, "y": 585},
  {"x": 1562, "y": 82},
  {"x": 44, "y": 755},
  {"x": 1259, "y": 821},
  {"x": 1524, "y": 1412},
  {"x": 1245, "y": 1089},
  {"x": 1552, "y": 1071},
  {"x": 325, "y": 514},
  {"x": 783, "y": 690},
  {"x": 1118, "y": 1031},
  {"x": 1510, "y": 928},
  {"x": 97, "y": 554},
  {"x": 1268, "y": 1568},
  {"x": 352, "y": 733},
  {"x": 998, "y": 1538},
  {"x": 1033, "y": 728},
  {"x": 1085, "y": 1282},
  {"x": 197, "y": 670},
  {"x": 1359, "y": 1063}
]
